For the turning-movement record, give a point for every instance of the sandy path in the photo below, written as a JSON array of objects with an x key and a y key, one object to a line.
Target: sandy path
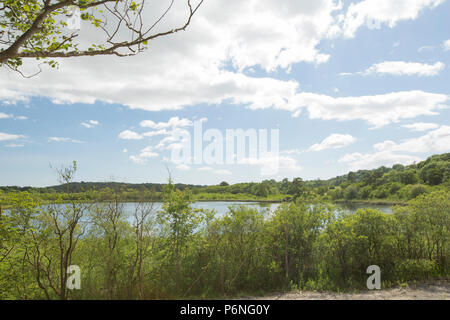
[{"x": 435, "y": 290}]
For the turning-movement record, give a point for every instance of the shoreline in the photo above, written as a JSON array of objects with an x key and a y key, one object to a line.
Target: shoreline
[{"x": 354, "y": 202}]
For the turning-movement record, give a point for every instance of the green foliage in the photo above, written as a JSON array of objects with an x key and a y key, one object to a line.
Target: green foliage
[
  {"x": 171, "y": 250},
  {"x": 417, "y": 190},
  {"x": 351, "y": 193},
  {"x": 175, "y": 251},
  {"x": 396, "y": 184}
]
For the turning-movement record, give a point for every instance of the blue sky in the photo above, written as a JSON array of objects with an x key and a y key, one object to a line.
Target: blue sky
[{"x": 321, "y": 74}]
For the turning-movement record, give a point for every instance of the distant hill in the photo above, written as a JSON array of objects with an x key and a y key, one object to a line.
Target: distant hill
[
  {"x": 85, "y": 186},
  {"x": 396, "y": 182}
]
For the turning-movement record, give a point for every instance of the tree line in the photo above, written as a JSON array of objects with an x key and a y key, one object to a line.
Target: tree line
[{"x": 397, "y": 184}]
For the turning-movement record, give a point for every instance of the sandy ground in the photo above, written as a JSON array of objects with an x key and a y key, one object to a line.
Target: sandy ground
[{"x": 436, "y": 290}]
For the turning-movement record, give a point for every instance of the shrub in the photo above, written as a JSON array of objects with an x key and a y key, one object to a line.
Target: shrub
[{"x": 417, "y": 190}]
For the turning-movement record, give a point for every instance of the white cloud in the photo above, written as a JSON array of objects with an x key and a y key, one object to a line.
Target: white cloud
[
  {"x": 144, "y": 155},
  {"x": 436, "y": 141},
  {"x": 193, "y": 67},
  {"x": 446, "y": 45},
  {"x": 150, "y": 134},
  {"x": 389, "y": 12},
  {"x": 10, "y": 116},
  {"x": 358, "y": 161},
  {"x": 334, "y": 141},
  {"x": 62, "y": 139},
  {"x": 421, "y": 126},
  {"x": 174, "y": 122},
  {"x": 8, "y": 136},
  {"x": 189, "y": 68},
  {"x": 90, "y": 124},
  {"x": 378, "y": 110},
  {"x": 125, "y": 150},
  {"x": 130, "y": 135},
  {"x": 399, "y": 68},
  {"x": 388, "y": 153}
]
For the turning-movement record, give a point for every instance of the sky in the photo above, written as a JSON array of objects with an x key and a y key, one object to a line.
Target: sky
[{"x": 349, "y": 85}]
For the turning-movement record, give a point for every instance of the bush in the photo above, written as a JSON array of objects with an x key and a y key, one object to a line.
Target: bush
[
  {"x": 415, "y": 269},
  {"x": 417, "y": 190},
  {"x": 351, "y": 193}
]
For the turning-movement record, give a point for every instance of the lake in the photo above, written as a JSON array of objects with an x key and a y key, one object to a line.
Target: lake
[{"x": 221, "y": 207}]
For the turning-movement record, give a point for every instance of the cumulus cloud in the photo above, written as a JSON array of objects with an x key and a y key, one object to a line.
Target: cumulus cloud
[
  {"x": 90, "y": 124},
  {"x": 334, "y": 141},
  {"x": 144, "y": 155},
  {"x": 399, "y": 68},
  {"x": 5, "y": 116},
  {"x": 130, "y": 135},
  {"x": 435, "y": 141},
  {"x": 188, "y": 68},
  {"x": 421, "y": 126},
  {"x": 207, "y": 64},
  {"x": 374, "y": 13},
  {"x": 377, "y": 110},
  {"x": 388, "y": 153}
]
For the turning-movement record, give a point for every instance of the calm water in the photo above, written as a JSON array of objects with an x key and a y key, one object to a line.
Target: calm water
[{"x": 221, "y": 207}]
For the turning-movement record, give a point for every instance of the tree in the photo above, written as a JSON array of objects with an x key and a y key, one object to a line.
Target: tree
[
  {"x": 297, "y": 187},
  {"x": 39, "y": 29},
  {"x": 417, "y": 190},
  {"x": 408, "y": 177},
  {"x": 351, "y": 177},
  {"x": 224, "y": 184},
  {"x": 180, "y": 221},
  {"x": 263, "y": 189},
  {"x": 59, "y": 229},
  {"x": 433, "y": 173},
  {"x": 351, "y": 193}
]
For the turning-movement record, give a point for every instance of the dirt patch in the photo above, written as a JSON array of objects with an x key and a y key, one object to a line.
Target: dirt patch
[{"x": 434, "y": 290}]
